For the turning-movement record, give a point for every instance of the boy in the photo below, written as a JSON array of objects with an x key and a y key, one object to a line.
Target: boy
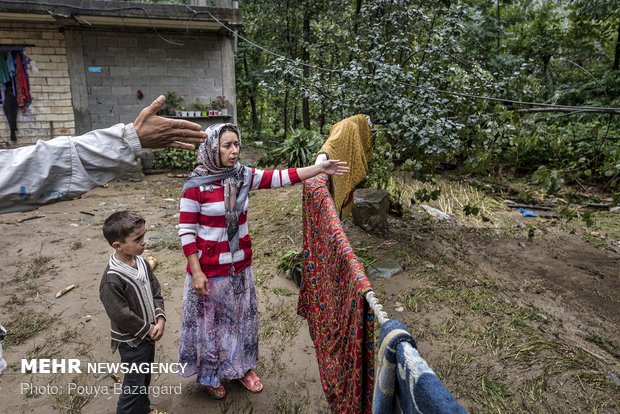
[{"x": 131, "y": 296}]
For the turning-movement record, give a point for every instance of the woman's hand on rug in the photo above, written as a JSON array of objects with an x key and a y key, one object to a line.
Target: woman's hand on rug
[{"x": 200, "y": 283}]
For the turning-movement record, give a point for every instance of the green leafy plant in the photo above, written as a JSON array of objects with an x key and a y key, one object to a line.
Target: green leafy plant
[
  {"x": 199, "y": 106},
  {"x": 568, "y": 213},
  {"x": 550, "y": 180},
  {"x": 381, "y": 164},
  {"x": 298, "y": 150},
  {"x": 289, "y": 260},
  {"x": 173, "y": 102},
  {"x": 216, "y": 104},
  {"x": 282, "y": 291},
  {"x": 470, "y": 210},
  {"x": 588, "y": 218},
  {"x": 174, "y": 158},
  {"x": 424, "y": 195}
]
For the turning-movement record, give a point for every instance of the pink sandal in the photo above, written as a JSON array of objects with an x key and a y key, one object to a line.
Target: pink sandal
[
  {"x": 216, "y": 393},
  {"x": 252, "y": 382}
]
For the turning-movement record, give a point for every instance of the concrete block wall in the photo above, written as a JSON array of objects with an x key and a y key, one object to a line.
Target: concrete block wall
[
  {"x": 121, "y": 64},
  {"x": 51, "y": 112}
]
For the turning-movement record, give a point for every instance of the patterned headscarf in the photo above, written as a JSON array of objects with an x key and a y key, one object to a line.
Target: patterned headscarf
[
  {"x": 209, "y": 150},
  {"x": 210, "y": 170}
]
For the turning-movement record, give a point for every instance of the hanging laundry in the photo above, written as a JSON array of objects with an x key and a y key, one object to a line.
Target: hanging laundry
[
  {"x": 349, "y": 140},
  {"x": 5, "y": 75},
  {"x": 10, "y": 109},
  {"x": 15, "y": 85},
  {"x": 404, "y": 381},
  {"x": 21, "y": 81},
  {"x": 331, "y": 298}
]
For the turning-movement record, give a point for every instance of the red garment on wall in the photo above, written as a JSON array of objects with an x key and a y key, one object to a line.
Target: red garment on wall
[
  {"x": 331, "y": 298},
  {"x": 23, "y": 92}
]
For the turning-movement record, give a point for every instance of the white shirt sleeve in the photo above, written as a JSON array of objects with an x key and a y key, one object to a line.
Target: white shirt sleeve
[{"x": 65, "y": 167}]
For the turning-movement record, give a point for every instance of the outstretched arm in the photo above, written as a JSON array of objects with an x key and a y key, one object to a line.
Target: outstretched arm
[
  {"x": 66, "y": 167},
  {"x": 329, "y": 167}
]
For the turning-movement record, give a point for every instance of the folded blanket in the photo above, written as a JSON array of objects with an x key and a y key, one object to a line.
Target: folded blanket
[{"x": 404, "y": 382}]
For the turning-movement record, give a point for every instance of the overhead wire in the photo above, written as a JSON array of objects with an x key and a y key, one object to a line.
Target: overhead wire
[
  {"x": 71, "y": 6},
  {"x": 419, "y": 87},
  {"x": 194, "y": 13}
]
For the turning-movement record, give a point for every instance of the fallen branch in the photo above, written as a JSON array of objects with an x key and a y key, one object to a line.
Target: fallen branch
[
  {"x": 36, "y": 216},
  {"x": 598, "y": 206},
  {"x": 63, "y": 291},
  {"x": 531, "y": 207}
]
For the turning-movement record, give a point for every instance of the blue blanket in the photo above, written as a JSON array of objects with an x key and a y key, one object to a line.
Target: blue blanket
[{"x": 404, "y": 381}]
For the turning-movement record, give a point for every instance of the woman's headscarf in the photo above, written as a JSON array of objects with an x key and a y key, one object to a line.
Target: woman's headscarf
[{"x": 210, "y": 170}]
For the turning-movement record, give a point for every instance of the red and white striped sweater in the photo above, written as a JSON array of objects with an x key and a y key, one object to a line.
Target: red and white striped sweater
[{"x": 202, "y": 223}]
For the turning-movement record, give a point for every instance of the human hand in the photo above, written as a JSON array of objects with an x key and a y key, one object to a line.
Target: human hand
[
  {"x": 158, "y": 132},
  {"x": 200, "y": 283},
  {"x": 157, "y": 330},
  {"x": 334, "y": 167}
]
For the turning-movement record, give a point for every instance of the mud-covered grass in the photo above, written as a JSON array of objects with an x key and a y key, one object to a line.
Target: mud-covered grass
[{"x": 515, "y": 315}]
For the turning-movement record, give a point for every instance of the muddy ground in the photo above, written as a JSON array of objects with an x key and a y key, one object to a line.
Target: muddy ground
[{"x": 515, "y": 314}]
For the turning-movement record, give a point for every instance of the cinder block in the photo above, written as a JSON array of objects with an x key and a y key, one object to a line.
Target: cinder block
[
  {"x": 127, "y": 61},
  {"x": 143, "y": 61},
  {"x": 116, "y": 51},
  {"x": 118, "y": 71},
  {"x": 126, "y": 102},
  {"x": 108, "y": 41},
  {"x": 157, "y": 70},
  {"x": 52, "y": 35},
  {"x": 59, "y": 58},
  {"x": 102, "y": 60},
  {"x": 155, "y": 53}
]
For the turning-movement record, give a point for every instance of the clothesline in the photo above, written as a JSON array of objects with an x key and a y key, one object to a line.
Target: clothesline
[
  {"x": 370, "y": 296},
  {"x": 346, "y": 357},
  {"x": 376, "y": 307}
]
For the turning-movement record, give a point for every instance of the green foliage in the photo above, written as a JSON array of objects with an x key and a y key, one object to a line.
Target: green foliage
[
  {"x": 414, "y": 68},
  {"x": 568, "y": 213},
  {"x": 588, "y": 218},
  {"x": 550, "y": 180},
  {"x": 174, "y": 158},
  {"x": 298, "y": 150},
  {"x": 181, "y": 2},
  {"x": 282, "y": 291},
  {"x": 424, "y": 196},
  {"x": 290, "y": 259},
  {"x": 173, "y": 101},
  {"x": 381, "y": 164},
  {"x": 470, "y": 210}
]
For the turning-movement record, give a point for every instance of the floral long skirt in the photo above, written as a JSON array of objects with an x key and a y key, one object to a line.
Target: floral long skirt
[{"x": 219, "y": 331}]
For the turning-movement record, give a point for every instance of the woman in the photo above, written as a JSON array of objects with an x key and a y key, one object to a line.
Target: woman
[{"x": 219, "y": 336}]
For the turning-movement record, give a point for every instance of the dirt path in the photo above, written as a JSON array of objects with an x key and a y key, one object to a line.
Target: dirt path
[{"x": 513, "y": 320}]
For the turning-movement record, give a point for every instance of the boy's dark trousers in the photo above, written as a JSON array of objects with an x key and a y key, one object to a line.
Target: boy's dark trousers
[{"x": 134, "y": 398}]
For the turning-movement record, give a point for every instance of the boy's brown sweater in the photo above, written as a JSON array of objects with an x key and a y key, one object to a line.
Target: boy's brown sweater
[{"x": 125, "y": 306}]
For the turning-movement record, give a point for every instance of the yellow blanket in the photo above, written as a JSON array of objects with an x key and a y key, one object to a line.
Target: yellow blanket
[{"x": 349, "y": 140}]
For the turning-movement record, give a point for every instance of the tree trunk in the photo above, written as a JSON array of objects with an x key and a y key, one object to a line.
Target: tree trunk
[
  {"x": 617, "y": 54},
  {"x": 285, "y": 109},
  {"x": 498, "y": 25},
  {"x": 252, "y": 97},
  {"x": 305, "y": 57}
]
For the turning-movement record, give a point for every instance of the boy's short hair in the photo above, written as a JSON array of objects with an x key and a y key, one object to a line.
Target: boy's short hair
[{"x": 118, "y": 226}]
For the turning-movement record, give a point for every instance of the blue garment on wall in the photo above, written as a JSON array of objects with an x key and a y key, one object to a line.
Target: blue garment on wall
[{"x": 404, "y": 383}]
